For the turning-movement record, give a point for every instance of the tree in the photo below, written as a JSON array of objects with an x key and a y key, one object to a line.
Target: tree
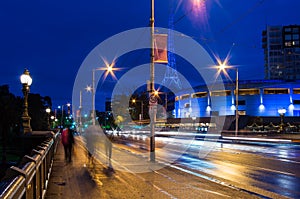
[
  {"x": 37, "y": 111},
  {"x": 10, "y": 114}
]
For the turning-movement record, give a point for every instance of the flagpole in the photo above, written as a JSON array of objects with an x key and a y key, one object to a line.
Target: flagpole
[{"x": 152, "y": 105}]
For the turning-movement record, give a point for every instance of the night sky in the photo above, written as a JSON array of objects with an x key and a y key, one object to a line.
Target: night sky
[{"x": 52, "y": 38}]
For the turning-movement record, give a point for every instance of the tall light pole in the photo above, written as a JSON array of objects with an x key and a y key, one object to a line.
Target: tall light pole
[
  {"x": 237, "y": 102},
  {"x": 109, "y": 68},
  {"x": 142, "y": 107},
  {"x": 152, "y": 98},
  {"x": 93, "y": 98},
  {"x": 62, "y": 113},
  {"x": 80, "y": 110},
  {"x": 52, "y": 117},
  {"x": 26, "y": 81},
  {"x": 223, "y": 67}
]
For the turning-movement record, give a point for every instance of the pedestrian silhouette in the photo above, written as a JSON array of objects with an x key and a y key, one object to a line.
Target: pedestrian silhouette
[
  {"x": 67, "y": 139},
  {"x": 108, "y": 148},
  {"x": 91, "y": 136}
]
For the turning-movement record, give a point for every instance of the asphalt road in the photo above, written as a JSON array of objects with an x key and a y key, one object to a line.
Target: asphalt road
[{"x": 262, "y": 170}]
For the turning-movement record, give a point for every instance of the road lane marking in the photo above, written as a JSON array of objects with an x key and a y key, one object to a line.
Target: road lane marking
[{"x": 193, "y": 187}]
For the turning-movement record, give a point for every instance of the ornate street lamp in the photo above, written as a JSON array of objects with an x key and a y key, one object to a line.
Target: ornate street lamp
[
  {"x": 281, "y": 112},
  {"x": 26, "y": 81}
]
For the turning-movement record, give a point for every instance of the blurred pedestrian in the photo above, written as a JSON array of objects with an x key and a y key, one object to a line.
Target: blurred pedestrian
[
  {"x": 91, "y": 137},
  {"x": 67, "y": 139},
  {"x": 108, "y": 149}
]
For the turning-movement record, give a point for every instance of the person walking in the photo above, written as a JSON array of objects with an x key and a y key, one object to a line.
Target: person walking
[
  {"x": 91, "y": 136},
  {"x": 67, "y": 139}
]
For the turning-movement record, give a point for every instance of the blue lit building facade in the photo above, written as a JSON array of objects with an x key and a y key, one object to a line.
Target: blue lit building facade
[
  {"x": 256, "y": 98},
  {"x": 279, "y": 90}
]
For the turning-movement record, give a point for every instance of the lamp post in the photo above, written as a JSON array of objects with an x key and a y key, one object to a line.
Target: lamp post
[
  {"x": 52, "y": 120},
  {"x": 48, "y": 110},
  {"x": 80, "y": 110},
  {"x": 62, "y": 113},
  {"x": 26, "y": 81},
  {"x": 281, "y": 112},
  {"x": 93, "y": 98},
  {"x": 109, "y": 68},
  {"x": 223, "y": 67},
  {"x": 194, "y": 120},
  {"x": 152, "y": 97},
  {"x": 141, "y": 116}
]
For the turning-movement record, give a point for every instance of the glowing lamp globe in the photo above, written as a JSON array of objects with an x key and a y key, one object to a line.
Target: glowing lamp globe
[
  {"x": 25, "y": 78},
  {"x": 281, "y": 111}
]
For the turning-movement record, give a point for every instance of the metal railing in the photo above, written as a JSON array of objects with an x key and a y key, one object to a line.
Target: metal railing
[{"x": 30, "y": 179}]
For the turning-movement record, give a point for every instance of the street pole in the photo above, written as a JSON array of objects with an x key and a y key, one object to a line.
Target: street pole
[
  {"x": 48, "y": 111},
  {"x": 62, "y": 116},
  {"x": 142, "y": 111},
  {"x": 26, "y": 81},
  {"x": 237, "y": 103},
  {"x": 80, "y": 109},
  {"x": 152, "y": 105},
  {"x": 25, "y": 117},
  {"x": 93, "y": 98}
]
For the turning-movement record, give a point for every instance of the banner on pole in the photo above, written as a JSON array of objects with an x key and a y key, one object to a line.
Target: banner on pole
[{"x": 160, "y": 48}]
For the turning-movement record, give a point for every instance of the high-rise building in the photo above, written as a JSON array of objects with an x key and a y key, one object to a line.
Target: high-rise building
[{"x": 281, "y": 46}]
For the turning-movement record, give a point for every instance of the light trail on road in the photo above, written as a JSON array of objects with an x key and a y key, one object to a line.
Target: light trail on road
[{"x": 251, "y": 167}]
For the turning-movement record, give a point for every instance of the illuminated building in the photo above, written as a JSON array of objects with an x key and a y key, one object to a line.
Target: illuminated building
[
  {"x": 281, "y": 46},
  {"x": 256, "y": 98}
]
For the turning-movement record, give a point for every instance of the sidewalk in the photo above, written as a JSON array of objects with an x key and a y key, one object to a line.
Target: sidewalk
[
  {"x": 71, "y": 180},
  {"x": 79, "y": 180}
]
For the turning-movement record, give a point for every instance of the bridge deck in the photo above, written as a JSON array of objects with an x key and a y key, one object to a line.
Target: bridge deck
[
  {"x": 80, "y": 180},
  {"x": 71, "y": 180}
]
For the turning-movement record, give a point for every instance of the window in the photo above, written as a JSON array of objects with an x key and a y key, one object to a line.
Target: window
[
  {"x": 221, "y": 93},
  {"x": 288, "y": 37},
  {"x": 187, "y": 105},
  {"x": 296, "y": 101},
  {"x": 296, "y": 90},
  {"x": 186, "y": 96},
  {"x": 276, "y": 91},
  {"x": 253, "y": 91},
  {"x": 199, "y": 95},
  {"x": 288, "y": 43},
  {"x": 242, "y": 102},
  {"x": 295, "y": 30},
  {"x": 288, "y": 29}
]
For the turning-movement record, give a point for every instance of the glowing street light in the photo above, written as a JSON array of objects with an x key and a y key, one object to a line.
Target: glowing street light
[
  {"x": 48, "y": 110},
  {"x": 26, "y": 81},
  {"x": 222, "y": 68},
  {"x": 109, "y": 69}
]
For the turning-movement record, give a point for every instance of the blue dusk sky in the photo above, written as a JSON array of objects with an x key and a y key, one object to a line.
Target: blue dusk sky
[{"x": 52, "y": 38}]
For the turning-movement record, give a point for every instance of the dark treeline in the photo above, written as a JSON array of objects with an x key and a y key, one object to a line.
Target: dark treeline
[{"x": 11, "y": 110}]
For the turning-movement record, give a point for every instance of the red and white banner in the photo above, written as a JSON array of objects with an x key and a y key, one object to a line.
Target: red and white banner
[{"x": 160, "y": 48}]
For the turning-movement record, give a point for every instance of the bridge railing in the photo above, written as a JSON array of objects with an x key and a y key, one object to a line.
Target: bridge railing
[{"x": 30, "y": 179}]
